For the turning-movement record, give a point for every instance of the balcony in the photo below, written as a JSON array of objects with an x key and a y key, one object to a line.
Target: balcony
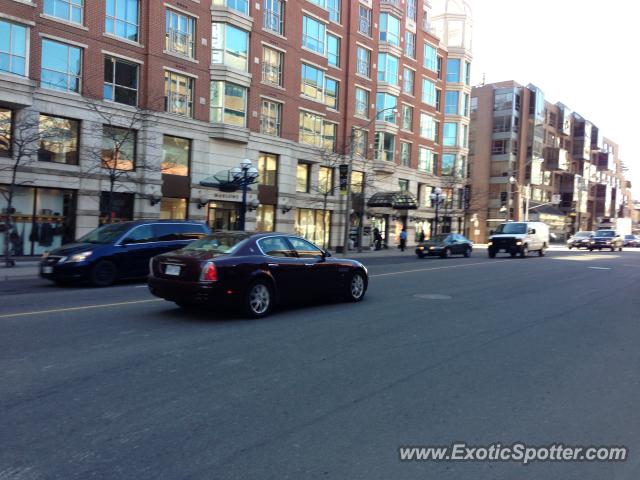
[
  {"x": 603, "y": 161},
  {"x": 393, "y": 6},
  {"x": 556, "y": 159},
  {"x": 383, "y": 166}
]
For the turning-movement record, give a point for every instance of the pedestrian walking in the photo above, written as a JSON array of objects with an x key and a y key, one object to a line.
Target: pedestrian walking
[
  {"x": 377, "y": 239},
  {"x": 421, "y": 236},
  {"x": 403, "y": 239}
]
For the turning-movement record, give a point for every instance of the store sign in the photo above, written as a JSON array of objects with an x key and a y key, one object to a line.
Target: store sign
[
  {"x": 344, "y": 178},
  {"x": 224, "y": 196}
]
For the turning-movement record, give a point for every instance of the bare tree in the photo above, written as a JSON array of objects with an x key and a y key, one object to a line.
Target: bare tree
[
  {"x": 115, "y": 147},
  {"x": 23, "y": 144}
]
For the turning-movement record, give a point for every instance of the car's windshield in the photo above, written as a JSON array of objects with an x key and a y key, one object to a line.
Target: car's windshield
[
  {"x": 630, "y": 237},
  {"x": 605, "y": 233},
  {"x": 105, "y": 234},
  {"x": 583, "y": 234},
  {"x": 511, "y": 228},
  {"x": 217, "y": 243}
]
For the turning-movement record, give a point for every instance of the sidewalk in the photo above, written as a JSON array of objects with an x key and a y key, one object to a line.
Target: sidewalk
[{"x": 23, "y": 269}]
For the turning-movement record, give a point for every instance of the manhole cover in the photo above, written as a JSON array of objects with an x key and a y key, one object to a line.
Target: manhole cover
[{"x": 433, "y": 296}]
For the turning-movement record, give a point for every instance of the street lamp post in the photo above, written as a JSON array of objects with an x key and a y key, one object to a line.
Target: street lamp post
[
  {"x": 435, "y": 196},
  {"x": 245, "y": 175}
]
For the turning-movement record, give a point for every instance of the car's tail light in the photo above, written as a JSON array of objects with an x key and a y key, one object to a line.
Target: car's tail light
[{"x": 209, "y": 272}]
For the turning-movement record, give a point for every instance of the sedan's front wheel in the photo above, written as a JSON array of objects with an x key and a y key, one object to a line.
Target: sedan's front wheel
[
  {"x": 467, "y": 252},
  {"x": 258, "y": 299},
  {"x": 356, "y": 287},
  {"x": 103, "y": 273}
]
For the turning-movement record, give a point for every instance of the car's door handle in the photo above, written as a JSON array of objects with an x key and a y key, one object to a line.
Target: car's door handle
[
  {"x": 273, "y": 265},
  {"x": 309, "y": 264}
]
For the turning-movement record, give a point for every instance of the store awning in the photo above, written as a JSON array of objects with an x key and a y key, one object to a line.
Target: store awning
[
  {"x": 396, "y": 200},
  {"x": 223, "y": 180}
]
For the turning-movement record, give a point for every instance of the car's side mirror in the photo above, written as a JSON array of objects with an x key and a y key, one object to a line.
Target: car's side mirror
[
  {"x": 491, "y": 232},
  {"x": 326, "y": 253},
  {"x": 532, "y": 231}
]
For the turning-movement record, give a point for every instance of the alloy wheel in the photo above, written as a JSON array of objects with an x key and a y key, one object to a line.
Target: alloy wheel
[
  {"x": 259, "y": 299},
  {"x": 357, "y": 286}
]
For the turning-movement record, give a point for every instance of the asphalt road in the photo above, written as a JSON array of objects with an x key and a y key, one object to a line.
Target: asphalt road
[{"x": 114, "y": 384}]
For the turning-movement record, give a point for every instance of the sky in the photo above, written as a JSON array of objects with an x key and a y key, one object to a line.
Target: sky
[{"x": 581, "y": 53}]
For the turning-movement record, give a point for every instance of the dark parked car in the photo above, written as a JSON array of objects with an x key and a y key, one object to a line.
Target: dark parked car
[
  {"x": 254, "y": 271},
  {"x": 608, "y": 239},
  {"x": 631, "y": 241},
  {"x": 445, "y": 245},
  {"x": 118, "y": 250},
  {"x": 579, "y": 240}
]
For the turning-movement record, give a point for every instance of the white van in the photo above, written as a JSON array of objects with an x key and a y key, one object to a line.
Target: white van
[{"x": 519, "y": 238}]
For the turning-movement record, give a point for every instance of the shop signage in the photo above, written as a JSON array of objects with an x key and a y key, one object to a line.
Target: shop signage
[{"x": 224, "y": 196}]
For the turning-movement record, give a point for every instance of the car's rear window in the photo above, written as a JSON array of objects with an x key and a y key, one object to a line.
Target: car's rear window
[{"x": 218, "y": 243}]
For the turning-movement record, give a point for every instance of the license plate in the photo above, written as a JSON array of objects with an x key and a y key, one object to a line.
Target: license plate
[
  {"x": 47, "y": 269},
  {"x": 172, "y": 270}
]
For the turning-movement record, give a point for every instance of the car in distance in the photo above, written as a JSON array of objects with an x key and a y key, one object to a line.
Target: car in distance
[
  {"x": 631, "y": 241},
  {"x": 445, "y": 245},
  {"x": 579, "y": 239},
  {"x": 253, "y": 271},
  {"x": 519, "y": 238},
  {"x": 118, "y": 250},
  {"x": 608, "y": 239}
]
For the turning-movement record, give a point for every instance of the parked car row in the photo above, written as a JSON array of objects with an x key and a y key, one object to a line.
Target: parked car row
[{"x": 602, "y": 239}]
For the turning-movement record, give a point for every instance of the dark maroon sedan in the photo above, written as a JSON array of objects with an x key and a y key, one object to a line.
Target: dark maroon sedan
[{"x": 254, "y": 271}]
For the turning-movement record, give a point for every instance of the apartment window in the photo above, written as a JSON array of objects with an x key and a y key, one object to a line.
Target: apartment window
[
  {"x": 364, "y": 62},
  {"x": 501, "y": 124},
  {"x": 405, "y": 154},
  {"x": 229, "y": 46},
  {"x": 403, "y": 185},
  {"x": 118, "y": 148},
  {"x": 271, "y": 118},
  {"x": 61, "y": 66},
  {"x": 313, "y": 35},
  {"x": 439, "y": 67},
  {"x": 310, "y": 132},
  {"x": 122, "y": 19},
  {"x": 362, "y": 102},
  {"x": 450, "y": 134},
  {"x": 325, "y": 180},
  {"x": 410, "y": 44},
  {"x": 453, "y": 70},
  {"x": 303, "y": 174},
  {"x": 428, "y": 92},
  {"x": 329, "y": 136},
  {"x": 499, "y": 147},
  {"x": 68, "y": 10},
  {"x": 407, "y": 118},
  {"x": 465, "y": 136},
  {"x": 427, "y": 127},
  {"x": 438, "y": 99},
  {"x": 273, "y": 16},
  {"x": 412, "y": 12},
  {"x": 241, "y": 6},
  {"x": 13, "y": 48},
  {"x": 334, "y": 10},
  {"x": 272, "y": 66},
  {"x": 503, "y": 101},
  {"x": 333, "y": 50},
  {"x": 176, "y": 155},
  {"x": 467, "y": 73},
  {"x": 120, "y": 81},
  {"x": 265, "y": 218},
  {"x": 388, "y": 68},
  {"x": 58, "y": 139},
  {"x": 425, "y": 160},
  {"x": 360, "y": 140},
  {"x": 178, "y": 94},
  {"x": 430, "y": 58},
  {"x": 448, "y": 164},
  {"x": 436, "y": 132},
  {"x": 385, "y": 144},
  {"x": 474, "y": 104},
  {"x": 386, "y": 107},
  {"x": 6, "y": 128},
  {"x": 267, "y": 169},
  {"x": 364, "y": 20},
  {"x": 465, "y": 105},
  {"x": 312, "y": 82},
  {"x": 331, "y": 93},
  {"x": 180, "y": 31},
  {"x": 389, "y": 29},
  {"x": 228, "y": 103},
  {"x": 408, "y": 81},
  {"x": 451, "y": 101},
  {"x": 461, "y": 170}
]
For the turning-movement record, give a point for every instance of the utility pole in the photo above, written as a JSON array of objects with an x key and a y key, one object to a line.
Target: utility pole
[{"x": 347, "y": 203}]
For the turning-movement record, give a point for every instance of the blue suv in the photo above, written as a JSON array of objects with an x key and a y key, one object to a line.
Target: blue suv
[{"x": 119, "y": 250}]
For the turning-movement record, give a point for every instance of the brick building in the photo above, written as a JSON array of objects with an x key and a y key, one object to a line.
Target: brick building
[{"x": 177, "y": 93}]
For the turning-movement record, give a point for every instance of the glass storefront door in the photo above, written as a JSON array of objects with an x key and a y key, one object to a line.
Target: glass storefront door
[{"x": 224, "y": 216}]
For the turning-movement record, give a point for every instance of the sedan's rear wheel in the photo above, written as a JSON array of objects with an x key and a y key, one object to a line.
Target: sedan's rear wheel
[
  {"x": 467, "y": 252},
  {"x": 258, "y": 299},
  {"x": 103, "y": 273},
  {"x": 356, "y": 287}
]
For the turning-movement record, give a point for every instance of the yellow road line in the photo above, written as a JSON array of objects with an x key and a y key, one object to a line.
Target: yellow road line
[
  {"x": 85, "y": 307},
  {"x": 439, "y": 268}
]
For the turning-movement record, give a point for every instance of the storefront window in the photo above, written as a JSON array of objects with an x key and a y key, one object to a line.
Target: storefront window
[
  {"x": 175, "y": 156},
  {"x": 173, "y": 208},
  {"x": 325, "y": 180},
  {"x": 6, "y": 119},
  {"x": 268, "y": 169},
  {"x": 118, "y": 148},
  {"x": 314, "y": 225},
  {"x": 120, "y": 208},
  {"x": 58, "y": 140},
  {"x": 357, "y": 179},
  {"x": 42, "y": 219},
  {"x": 265, "y": 218},
  {"x": 302, "y": 178}
]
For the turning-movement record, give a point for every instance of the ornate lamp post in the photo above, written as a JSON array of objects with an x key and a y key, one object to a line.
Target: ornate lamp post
[
  {"x": 244, "y": 175},
  {"x": 435, "y": 196}
]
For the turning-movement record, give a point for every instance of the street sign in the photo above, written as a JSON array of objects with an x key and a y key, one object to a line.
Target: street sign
[
  {"x": 556, "y": 199},
  {"x": 344, "y": 174}
]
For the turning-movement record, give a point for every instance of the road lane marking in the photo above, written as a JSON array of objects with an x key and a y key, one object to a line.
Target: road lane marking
[
  {"x": 73, "y": 309},
  {"x": 438, "y": 268},
  {"x": 600, "y": 268}
]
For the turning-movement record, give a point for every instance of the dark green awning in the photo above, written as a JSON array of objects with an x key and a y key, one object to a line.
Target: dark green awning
[{"x": 398, "y": 200}]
